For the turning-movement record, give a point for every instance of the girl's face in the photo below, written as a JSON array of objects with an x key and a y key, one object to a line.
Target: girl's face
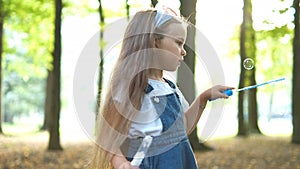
[{"x": 171, "y": 47}]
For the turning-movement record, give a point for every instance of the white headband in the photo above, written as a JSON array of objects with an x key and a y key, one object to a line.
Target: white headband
[{"x": 164, "y": 14}]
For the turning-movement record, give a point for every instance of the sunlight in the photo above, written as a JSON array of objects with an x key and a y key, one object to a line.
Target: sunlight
[{"x": 268, "y": 10}]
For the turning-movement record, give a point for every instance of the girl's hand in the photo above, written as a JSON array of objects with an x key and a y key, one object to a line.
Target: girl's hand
[
  {"x": 126, "y": 165},
  {"x": 120, "y": 162},
  {"x": 216, "y": 92}
]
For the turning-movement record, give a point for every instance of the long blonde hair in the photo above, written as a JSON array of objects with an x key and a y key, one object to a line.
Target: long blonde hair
[{"x": 127, "y": 86}]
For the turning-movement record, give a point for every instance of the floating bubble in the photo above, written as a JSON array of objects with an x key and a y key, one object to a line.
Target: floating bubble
[{"x": 248, "y": 64}]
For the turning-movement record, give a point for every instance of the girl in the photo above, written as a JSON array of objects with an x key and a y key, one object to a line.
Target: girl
[{"x": 141, "y": 102}]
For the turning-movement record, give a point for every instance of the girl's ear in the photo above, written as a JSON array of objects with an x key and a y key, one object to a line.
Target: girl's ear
[{"x": 157, "y": 42}]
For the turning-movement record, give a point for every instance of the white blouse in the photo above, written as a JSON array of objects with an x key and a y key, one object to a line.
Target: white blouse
[{"x": 148, "y": 121}]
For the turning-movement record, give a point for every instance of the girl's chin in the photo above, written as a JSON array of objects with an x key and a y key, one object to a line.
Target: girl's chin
[{"x": 171, "y": 69}]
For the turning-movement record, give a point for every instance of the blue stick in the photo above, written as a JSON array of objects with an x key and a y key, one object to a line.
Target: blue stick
[
  {"x": 261, "y": 84},
  {"x": 230, "y": 93}
]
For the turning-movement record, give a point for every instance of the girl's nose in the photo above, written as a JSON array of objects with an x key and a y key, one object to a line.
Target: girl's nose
[{"x": 183, "y": 52}]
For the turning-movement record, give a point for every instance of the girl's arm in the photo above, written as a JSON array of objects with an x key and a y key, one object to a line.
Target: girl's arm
[{"x": 193, "y": 114}]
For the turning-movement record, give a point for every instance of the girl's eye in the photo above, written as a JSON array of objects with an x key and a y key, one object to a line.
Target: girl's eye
[{"x": 179, "y": 43}]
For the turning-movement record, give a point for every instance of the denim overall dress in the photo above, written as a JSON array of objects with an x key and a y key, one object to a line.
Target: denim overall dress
[{"x": 171, "y": 149}]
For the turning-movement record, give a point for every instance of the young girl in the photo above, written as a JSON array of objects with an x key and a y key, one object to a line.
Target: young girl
[{"x": 141, "y": 102}]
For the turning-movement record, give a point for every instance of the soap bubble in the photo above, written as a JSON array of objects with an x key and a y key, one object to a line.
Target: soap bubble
[{"x": 248, "y": 64}]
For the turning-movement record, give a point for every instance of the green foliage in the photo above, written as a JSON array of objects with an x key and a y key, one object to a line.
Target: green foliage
[
  {"x": 28, "y": 47},
  {"x": 28, "y": 44},
  {"x": 274, "y": 45},
  {"x": 233, "y": 45},
  {"x": 275, "y": 57},
  {"x": 80, "y": 7},
  {"x": 110, "y": 13},
  {"x": 28, "y": 30},
  {"x": 273, "y": 48},
  {"x": 86, "y": 7},
  {"x": 22, "y": 97}
]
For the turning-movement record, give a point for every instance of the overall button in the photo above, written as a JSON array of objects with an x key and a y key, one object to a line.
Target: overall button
[{"x": 156, "y": 99}]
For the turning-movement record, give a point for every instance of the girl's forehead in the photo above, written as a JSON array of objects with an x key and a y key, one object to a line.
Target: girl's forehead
[{"x": 176, "y": 30}]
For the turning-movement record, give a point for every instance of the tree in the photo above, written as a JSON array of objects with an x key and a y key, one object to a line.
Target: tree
[
  {"x": 247, "y": 77},
  {"x": 1, "y": 51},
  {"x": 251, "y": 53},
  {"x": 54, "y": 139},
  {"x": 296, "y": 77},
  {"x": 273, "y": 53},
  {"x": 101, "y": 54},
  {"x": 47, "y": 107},
  {"x": 242, "y": 129},
  {"x": 127, "y": 9},
  {"x": 188, "y": 10},
  {"x": 21, "y": 60},
  {"x": 187, "y": 82},
  {"x": 154, "y": 2}
]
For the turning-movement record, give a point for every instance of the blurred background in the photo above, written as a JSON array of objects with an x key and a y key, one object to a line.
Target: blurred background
[{"x": 42, "y": 41}]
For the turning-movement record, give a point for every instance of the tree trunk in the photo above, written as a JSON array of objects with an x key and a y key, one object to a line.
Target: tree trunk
[
  {"x": 247, "y": 77},
  {"x": 252, "y": 106},
  {"x": 296, "y": 77},
  {"x": 1, "y": 51},
  {"x": 251, "y": 53},
  {"x": 127, "y": 10},
  {"x": 47, "y": 109},
  {"x": 242, "y": 127},
  {"x": 187, "y": 82},
  {"x": 101, "y": 55},
  {"x": 54, "y": 139},
  {"x": 154, "y": 2},
  {"x": 188, "y": 10},
  {"x": 184, "y": 80}
]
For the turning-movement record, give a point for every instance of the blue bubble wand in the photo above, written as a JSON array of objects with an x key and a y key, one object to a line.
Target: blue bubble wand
[
  {"x": 142, "y": 150},
  {"x": 229, "y": 92}
]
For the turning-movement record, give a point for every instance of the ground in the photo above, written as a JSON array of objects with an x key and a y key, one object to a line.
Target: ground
[{"x": 255, "y": 152}]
